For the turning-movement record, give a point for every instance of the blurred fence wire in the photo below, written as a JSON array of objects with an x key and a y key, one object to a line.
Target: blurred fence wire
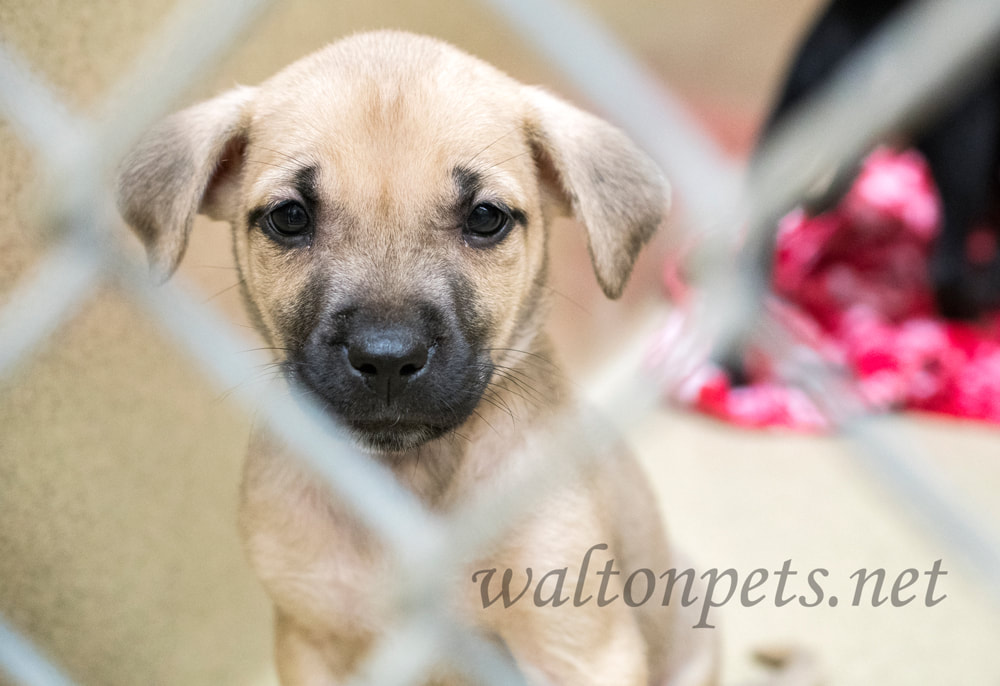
[{"x": 908, "y": 71}]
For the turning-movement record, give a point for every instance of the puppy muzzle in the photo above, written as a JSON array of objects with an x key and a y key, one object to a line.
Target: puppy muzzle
[{"x": 395, "y": 376}]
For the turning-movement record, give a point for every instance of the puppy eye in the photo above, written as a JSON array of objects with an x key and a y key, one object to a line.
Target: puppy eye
[
  {"x": 288, "y": 220},
  {"x": 487, "y": 222}
]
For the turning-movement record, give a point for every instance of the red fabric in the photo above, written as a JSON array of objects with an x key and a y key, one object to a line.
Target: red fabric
[{"x": 855, "y": 286}]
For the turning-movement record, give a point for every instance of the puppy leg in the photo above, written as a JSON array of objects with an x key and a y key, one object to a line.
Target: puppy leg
[
  {"x": 701, "y": 667},
  {"x": 300, "y": 662},
  {"x": 605, "y": 649},
  {"x": 578, "y": 631},
  {"x": 792, "y": 666},
  {"x": 695, "y": 652}
]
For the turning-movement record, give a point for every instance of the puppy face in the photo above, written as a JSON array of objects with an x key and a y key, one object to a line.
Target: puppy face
[{"x": 389, "y": 197}]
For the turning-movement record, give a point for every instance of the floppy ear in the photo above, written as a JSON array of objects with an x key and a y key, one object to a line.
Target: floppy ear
[
  {"x": 186, "y": 164},
  {"x": 611, "y": 187}
]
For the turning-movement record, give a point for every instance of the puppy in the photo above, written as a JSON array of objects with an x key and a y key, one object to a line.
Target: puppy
[
  {"x": 390, "y": 200},
  {"x": 961, "y": 145}
]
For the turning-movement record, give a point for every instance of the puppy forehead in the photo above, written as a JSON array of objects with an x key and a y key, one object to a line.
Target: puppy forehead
[{"x": 391, "y": 110}]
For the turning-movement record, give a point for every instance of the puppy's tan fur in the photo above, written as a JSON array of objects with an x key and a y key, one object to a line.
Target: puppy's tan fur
[{"x": 385, "y": 118}]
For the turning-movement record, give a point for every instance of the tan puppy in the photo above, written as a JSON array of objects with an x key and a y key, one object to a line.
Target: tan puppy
[{"x": 390, "y": 200}]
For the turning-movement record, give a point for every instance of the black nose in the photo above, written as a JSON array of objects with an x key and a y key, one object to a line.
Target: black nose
[{"x": 387, "y": 357}]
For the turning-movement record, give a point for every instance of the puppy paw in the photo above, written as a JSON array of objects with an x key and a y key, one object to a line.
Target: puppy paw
[{"x": 791, "y": 665}]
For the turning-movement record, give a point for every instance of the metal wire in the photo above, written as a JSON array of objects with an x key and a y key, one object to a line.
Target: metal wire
[
  {"x": 57, "y": 285},
  {"x": 38, "y": 117},
  {"x": 21, "y": 662},
  {"x": 834, "y": 132}
]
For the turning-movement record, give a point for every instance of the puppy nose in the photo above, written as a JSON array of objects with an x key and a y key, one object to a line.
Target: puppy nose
[{"x": 387, "y": 358}]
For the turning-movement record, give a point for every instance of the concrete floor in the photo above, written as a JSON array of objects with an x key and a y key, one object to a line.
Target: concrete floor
[{"x": 119, "y": 462}]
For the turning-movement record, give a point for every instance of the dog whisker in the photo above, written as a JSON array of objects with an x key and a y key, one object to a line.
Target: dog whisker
[
  {"x": 284, "y": 167},
  {"x": 267, "y": 347},
  {"x": 224, "y": 290},
  {"x": 499, "y": 387},
  {"x": 580, "y": 306},
  {"x": 485, "y": 421},
  {"x": 520, "y": 373},
  {"x": 535, "y": 356},
  {"x": 520, "y": 377},
  {"x": 455, "y": 434},
  {"x": 265, "y": 374},
  {"x": 490, "y": 145},
  {"x": 495, "y": 402},
  {"x": 215, "y": 266},
  {"x": 526, "y": 388},
  {"x": 497, "y": 165},
  {"x": 277, "y": 152}
]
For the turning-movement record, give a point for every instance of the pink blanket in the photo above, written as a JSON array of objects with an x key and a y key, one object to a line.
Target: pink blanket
[{"x": 854, "y": 283}]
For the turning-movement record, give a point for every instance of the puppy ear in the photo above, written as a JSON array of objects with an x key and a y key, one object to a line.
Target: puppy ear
[
  {"x": 613, "y": 189},
  {"x": 186, "y": 164}
]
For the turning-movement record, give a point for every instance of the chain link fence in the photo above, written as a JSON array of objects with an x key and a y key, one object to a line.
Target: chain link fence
[{"x": 914, "y": 65}]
